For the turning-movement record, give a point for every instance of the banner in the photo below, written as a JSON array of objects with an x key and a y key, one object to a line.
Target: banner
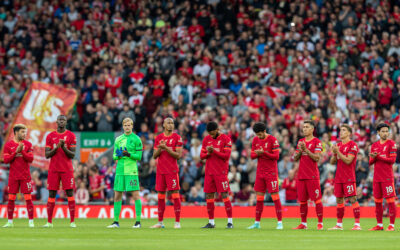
[
  {"x": 150, "y": 212},
  {"x": 39, "y": 109},
  {"x": 95, "y": 143}
]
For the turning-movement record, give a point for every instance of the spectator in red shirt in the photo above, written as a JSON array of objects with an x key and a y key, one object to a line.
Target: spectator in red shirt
[
  {"x": 96, "y": 184},
  {"x": 385, "y": 95},
  {"x": 158, "y": 86},
  {"x": 114, "y": 82}
]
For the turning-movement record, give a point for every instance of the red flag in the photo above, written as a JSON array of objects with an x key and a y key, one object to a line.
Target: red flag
[
  {"x": 38, "y": 110},
  {"x": 275, "y": 92}
]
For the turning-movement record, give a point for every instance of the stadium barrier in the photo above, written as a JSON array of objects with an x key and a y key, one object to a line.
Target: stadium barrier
[{"x": 106, "y": 212}]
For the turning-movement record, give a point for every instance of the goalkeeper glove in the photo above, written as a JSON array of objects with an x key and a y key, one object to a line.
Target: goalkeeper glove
[
  {"x": 126, "y": 153},
  {"x": 119, "y": 152}
]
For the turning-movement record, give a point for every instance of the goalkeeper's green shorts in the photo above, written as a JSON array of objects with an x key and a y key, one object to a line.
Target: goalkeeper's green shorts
[{"x": 126, "y": 183}]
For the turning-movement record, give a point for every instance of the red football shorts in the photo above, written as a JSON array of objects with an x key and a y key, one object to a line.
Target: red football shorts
[
  {"x": 15, "y": 185},
  {"x": 308, "y": 190},
  {"x": 347, "y": 189},
  {"x": 264, "y": 183},
  {"x": 216, "y": 183},
  {"x": 167, "y": 182},
  {"x": 67, "y": 180},
  {"x": 383, "y": 190}
]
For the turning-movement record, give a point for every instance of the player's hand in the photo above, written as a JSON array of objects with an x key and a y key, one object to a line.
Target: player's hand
[
  {"x": 162, "y": 145},
  {"x": 60, "y": 143},
  {"x": 20, "y": 147},
  {"x": 125, "y": 152},
  {"x": 259, "y": 151},
  {"x": 373, "y": 154},
  {"x": 302, "y": 146},
  {"x": 335, "y": 149},
  {"x": 210, "y": 149},
  {"x": 18, "y": 155}
]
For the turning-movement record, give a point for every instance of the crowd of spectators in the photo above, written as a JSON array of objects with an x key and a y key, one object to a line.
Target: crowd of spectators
[{"x": 197, "y": 61}]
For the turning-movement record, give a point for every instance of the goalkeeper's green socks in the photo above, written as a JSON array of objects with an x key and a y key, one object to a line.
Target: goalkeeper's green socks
[
  {"x": 138, "y": 209},
  {"x": 117, "y": 210}
]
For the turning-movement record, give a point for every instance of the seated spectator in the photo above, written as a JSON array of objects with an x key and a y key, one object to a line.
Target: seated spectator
[
  {"x": 328, "y": 198},
  {"x": 96, "y": 185},
  {"x": 243, "y": 196},
  {"x": 290, "y": 186},
  {"x": 82, "y": 195}
]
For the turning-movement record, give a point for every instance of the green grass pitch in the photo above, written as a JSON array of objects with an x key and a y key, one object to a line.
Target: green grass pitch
[{"x": 93, "y": 234}]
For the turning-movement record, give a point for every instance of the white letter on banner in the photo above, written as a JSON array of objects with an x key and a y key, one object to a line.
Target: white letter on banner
[
  {"x": 22, "y": 212},
  {"x": 3, "y": 212},
  {"x": 129, "y": 210},
  {"x": 153, "y": 212},
  {"x": 102, "y": 214},
  {"x": 41, "y": 213},
  {"x": 28, "y": 112},
  {"x": 145, "y": 213},
  {"x": 52, "y": 111},
  {"x": 83, "y": 213},
  {"x": 59, "y": 213}
]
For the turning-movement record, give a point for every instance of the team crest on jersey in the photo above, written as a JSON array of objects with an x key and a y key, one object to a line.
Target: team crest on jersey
[
  {"x": 170, "y": 141},
  {"x": 218, "y": 143},
  {"x": 266, "y": 145}
]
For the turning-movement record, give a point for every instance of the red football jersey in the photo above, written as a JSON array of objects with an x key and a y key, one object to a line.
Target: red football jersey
[
  {"x": 383, "y": 169},
  {"x": 166, "y": 164},
  {"x": 346, "y": 173},
  {"x": 217, "y": 163},
  {"x": 308, "y": 169},
  {"x": 60, "y": 162},
  {"x": 265, "y": 165},
  {"x": 19, "y": 165}
]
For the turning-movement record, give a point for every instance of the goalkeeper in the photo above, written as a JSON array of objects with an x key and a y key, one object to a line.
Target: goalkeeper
[{"x": 127, "y": 152}]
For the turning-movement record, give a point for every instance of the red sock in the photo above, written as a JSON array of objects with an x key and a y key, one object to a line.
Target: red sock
[
  {"x": 210, "y": 208},
  {"x": 303, "y": 211},
  {"x": 392, "y": 211},
  {"x": 259, "y": 207},
  {"x": 340, "y": 212},
  {"x": 29, "y": 205},
  {"x": 319, "y": 209},
  {"x": 11, "y": 205},
  {"x": 278, "y": 206},
  {"x": 71, "y": 206},
  {"x": 51, "y": 202},
  {"x": 161, "y": 207},
  {"x": 379, "y": 212},
  {"x": 177, "y": 206},
  {"x": 228, "y": 207},
  {"x": 356, "y": 212}
]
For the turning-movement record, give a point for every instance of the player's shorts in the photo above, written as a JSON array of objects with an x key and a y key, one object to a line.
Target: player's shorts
[
  {"x": 264, "y": 183},
  {"x": 15, "y": 185},
  {"x": 126, "y": 183},
  {"x": 308, "y": 190},
  {"x": 347, "y": 189},
  {"x": 167, "y": 182},
  {"x": 216, "y": 183},
  {"x": 66, "y": 178},
  {"x": 383, "y": 190}
]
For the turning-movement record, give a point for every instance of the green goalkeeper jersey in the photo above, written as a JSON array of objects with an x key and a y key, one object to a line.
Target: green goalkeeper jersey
[{"x": 128, "y": 165}]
